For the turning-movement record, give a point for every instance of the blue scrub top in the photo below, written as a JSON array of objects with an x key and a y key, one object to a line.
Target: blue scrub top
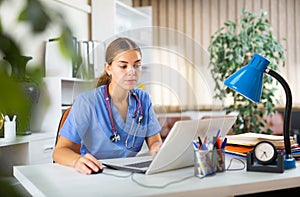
[{"x": 88, "y": 124}]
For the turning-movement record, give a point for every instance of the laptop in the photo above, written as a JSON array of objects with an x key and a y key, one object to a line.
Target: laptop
[{"x": 176, "y": 151}]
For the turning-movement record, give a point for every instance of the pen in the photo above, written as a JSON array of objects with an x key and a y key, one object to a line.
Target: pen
[
  {"x": 205, "y": 140},
  {"x": 219, "y": 143},
  {"x": 214, "y": 142},
  {"x": 195, "y": 145},
  {"x": 203, "y": 146},
  {"x": 199, "y": 141},
  {"x": 224, "y": 143},
  {"x": 218, "y": 133}
]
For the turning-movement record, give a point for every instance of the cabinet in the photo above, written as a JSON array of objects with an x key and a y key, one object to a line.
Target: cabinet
[
  {"x": 31, "y": 149},
  {"x": 57, "y": 94},
  {"x": 40, "y": 150}
]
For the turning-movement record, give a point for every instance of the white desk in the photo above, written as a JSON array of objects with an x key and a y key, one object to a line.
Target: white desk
[{"x": 56, "y": 180}]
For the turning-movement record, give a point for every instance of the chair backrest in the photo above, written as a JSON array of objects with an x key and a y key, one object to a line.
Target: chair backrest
[
  {"x": 61, "y": 123},
  {"x": 167, "y": 122}
]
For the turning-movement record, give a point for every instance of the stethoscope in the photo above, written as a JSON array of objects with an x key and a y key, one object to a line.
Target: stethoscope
[{"x": 115, "y": 136}]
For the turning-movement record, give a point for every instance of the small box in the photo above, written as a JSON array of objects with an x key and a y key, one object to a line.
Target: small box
[{"x": 208, "y": 162}]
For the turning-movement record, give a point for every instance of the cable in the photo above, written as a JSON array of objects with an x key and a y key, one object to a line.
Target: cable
[
  {"x": 143, "y": 185},
  {"x": 159, "y": 186},
  {"x": 118, "y": 176},
  {"x": 235, "y": 169},
  {"x": 133, "y": 179}
]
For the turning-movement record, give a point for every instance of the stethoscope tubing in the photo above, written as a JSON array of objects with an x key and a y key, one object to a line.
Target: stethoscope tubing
[{"x": 116, "y": 137}]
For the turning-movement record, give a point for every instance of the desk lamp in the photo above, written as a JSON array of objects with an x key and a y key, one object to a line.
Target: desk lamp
[{"x": 248, "y": 82}]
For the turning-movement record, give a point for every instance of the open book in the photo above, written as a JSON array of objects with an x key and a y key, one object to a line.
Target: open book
[{"x": 250, "y": 139}]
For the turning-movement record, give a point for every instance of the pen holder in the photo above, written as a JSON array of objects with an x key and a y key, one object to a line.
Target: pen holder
[
  {"x": 10, "y": 130},
  {"x": 208, "y": 162},
  {"x": 219, "y": 160}
]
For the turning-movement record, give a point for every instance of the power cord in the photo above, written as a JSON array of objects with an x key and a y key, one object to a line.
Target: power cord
[
  {"x": 236, "y": 169},
  {"x": 131, "y": 174},
  {"x": 118, "y": 176},
  {"x": 159, "y": 186},
  {"x": 133, "y": 179}
]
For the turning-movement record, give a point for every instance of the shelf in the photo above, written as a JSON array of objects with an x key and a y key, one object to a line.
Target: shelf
[
  {"x": 129, "y": 11},
  {"x": 129, "y": 18},
  {"x": 25, "y": 139},
  {"x": 72, "y": 79},
  {"x": 70, "y": 89},
  {"x": 77, "y": 5}
]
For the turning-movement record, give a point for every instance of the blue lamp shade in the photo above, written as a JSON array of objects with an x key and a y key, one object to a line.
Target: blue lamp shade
[{"x": 248, "y": 80}]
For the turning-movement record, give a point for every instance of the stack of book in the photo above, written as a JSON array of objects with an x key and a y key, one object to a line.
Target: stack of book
[{"x": 241, "y": 144}]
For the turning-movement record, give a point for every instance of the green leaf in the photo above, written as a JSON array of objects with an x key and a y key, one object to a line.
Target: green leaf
[{"x": 35, "y": 14}]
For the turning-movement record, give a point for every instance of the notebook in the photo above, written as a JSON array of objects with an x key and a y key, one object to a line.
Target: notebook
[{"x": 176, "y": 151}]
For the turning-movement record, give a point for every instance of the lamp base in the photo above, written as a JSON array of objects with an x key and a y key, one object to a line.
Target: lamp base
[{"x": 289, "y": 162}]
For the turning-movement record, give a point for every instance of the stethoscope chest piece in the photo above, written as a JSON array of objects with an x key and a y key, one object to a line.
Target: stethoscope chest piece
[{"x": 115, "y": 137}]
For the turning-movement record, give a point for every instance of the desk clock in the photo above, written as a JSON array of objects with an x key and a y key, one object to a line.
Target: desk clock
[{"x": 265, "y": 158}]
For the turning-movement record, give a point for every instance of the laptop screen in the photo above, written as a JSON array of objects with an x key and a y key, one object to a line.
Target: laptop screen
[{"x": 177, "y": 151}]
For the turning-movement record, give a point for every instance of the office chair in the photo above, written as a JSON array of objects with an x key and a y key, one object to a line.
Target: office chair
[
  {"x": 61, "y": 123},
  {"x": 167, "y": 122}
]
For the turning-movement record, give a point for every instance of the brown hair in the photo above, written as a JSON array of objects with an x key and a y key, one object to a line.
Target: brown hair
[{"x": 116, "y": 47}]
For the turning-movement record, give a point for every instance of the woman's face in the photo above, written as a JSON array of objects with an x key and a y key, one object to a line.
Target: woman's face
[{"x": 125, "y": 69}]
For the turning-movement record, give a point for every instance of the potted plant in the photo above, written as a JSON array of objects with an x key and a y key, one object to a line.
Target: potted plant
[
  {"x": 18, "y": 84},
  {"x": 231, "y": 47}
]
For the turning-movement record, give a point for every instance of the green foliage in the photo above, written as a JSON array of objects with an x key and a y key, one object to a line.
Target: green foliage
[
  {"x": 231, "y": 47},
  {"x": 13, "y": 100},
  {"x": 35, "y": 13}
]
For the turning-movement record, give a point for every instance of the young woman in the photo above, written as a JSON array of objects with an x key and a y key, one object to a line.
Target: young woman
[{"x": 112, "y": 120}]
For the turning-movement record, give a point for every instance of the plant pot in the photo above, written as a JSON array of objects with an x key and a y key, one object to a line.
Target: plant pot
[
  {"x": 27, "y": 87},
  {"x": 31, "y": 92},
  {"x": 18, "y": 66}
]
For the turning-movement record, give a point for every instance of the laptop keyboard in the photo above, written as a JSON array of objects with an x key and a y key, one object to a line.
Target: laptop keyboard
[{"x": 140, "y": 165}]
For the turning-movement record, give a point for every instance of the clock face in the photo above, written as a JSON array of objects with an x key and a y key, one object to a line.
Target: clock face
[{"x": 265, "y": 152}]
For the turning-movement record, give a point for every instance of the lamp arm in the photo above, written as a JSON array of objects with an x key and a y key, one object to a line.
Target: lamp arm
[{"x": 287, "y": 113}]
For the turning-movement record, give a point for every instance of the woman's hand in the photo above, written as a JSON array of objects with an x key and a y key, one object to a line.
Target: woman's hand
[
  {"x": 154, "y": 143},
  {"x": 87, "y": 164},
  {"x": 155, "y": 148},
  {"x": 66, "y": 153}
]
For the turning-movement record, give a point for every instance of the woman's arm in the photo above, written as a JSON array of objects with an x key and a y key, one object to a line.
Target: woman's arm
[
  {"x": 65, "y": 154},
  {"x": 154, "y": 142}
]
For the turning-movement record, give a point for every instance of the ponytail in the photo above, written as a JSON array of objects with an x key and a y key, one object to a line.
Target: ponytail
[{"x": 104, "y": 79}]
